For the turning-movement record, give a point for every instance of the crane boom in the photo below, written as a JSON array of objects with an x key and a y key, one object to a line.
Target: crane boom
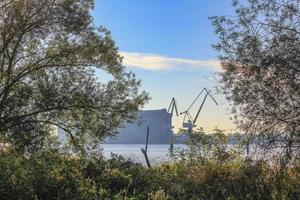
[
  {"x": 204, "y": 89},
  {"x": 173, "y": 106},
  {"x": 194, "y": 122},
  {"x": 213, "y": 98},
  {"x": 208, "y": 93},
  {"x": 191, "y": 122}
]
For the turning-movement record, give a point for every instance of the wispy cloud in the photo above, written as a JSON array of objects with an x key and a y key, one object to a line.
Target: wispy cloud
[{"x": 160, "y": 62}]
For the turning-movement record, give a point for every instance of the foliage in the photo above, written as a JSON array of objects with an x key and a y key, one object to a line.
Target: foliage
[
  {"x": 210, "y": 146},
  {"x": 52, "y": 175},
  {"x": 50, "y": 51},
  {"x": 259, "y": 50}
]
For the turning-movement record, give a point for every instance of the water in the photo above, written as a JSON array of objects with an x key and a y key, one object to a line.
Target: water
[{"x": 157, "y": 153}]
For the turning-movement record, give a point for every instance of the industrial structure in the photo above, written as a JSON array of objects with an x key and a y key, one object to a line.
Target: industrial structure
[
  {"x": 159, "y": 123},
  {"x": 188, "y": 121}
]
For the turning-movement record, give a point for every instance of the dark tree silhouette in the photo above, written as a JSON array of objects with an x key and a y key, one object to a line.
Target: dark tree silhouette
[{"x": 260, "y": 53}]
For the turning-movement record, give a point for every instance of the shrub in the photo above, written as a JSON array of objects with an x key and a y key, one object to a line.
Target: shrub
[{"x": 52, "y": 175}]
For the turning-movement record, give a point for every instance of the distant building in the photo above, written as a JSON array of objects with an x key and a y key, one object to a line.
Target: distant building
[
  {"x": 160, "y": 129},
  {"x": 160, "y": 125}
]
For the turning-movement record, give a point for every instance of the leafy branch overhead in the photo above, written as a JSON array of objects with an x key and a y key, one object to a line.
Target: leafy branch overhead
[
  {"x": 50, "y": 51},
  {"x": 259, "y": 49}
]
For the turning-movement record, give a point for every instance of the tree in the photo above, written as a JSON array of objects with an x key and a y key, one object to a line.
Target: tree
[
  {"x": 260, "y": 53},
  {"x": 212, "y": 146},
  {"x": 50, "y": 51}
]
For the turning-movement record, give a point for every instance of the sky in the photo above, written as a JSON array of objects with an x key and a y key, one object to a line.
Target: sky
[{"x": 168, "y": 44}]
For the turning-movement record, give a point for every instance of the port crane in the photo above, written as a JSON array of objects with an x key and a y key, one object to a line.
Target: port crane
[
  {"x": 188, "y": 121},
  {"x": 173, "y": 107}
]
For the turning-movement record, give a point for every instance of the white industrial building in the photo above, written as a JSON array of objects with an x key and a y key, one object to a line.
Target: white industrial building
[{"x": 160, "y": 126}]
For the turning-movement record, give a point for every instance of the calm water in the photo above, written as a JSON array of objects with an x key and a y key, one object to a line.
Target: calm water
[{"x": 157, "y": 153}]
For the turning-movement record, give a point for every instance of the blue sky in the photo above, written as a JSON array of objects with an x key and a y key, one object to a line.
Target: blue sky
[{"x": 167, "y": 43}]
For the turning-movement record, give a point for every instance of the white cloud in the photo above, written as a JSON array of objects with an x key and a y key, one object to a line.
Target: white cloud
[{"x": 160, "y": 62}]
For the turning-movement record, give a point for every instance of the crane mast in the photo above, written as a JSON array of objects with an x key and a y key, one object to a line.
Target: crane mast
[
  {"x": 191, "y": 122},
  {"x": 173, "y": 107},
  {"x": 208, "y": 93}
]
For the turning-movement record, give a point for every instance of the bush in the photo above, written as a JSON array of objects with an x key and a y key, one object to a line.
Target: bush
[{"x": 52, "y": 175}]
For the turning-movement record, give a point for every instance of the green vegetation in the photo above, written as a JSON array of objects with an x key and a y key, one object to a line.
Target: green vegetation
[
  {"x": 51, "y": 175},
  {"x": 259, "y": 50},
  {"x": 50, "y": 51},
  {"x": 208, "y": 170}
]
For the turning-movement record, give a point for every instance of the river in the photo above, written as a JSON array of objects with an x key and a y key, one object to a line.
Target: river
[{"x": 157, "y": 153}]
